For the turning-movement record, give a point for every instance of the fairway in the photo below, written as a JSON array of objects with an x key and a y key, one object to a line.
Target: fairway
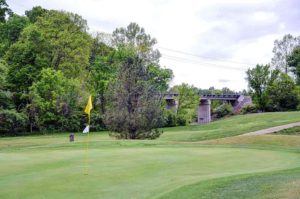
[{"x": 49, "y": 166}]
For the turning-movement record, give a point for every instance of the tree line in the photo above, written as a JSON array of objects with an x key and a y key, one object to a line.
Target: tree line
[{"x": 50, "y": 63}]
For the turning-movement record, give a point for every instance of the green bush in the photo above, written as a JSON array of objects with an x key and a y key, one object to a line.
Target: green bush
[
  {"x": 73, "y": 123},
  {"x": 169, "y": 118},
  {"x": 223, "y": 110},
  {"x": 97, "y": 123},
  {"x": 249, "y": 109},
  {"x": 12, "y": 122},
  {"x": 181, "y": 120}
]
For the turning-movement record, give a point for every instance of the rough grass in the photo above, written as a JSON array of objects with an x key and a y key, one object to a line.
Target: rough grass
[
  {"x": 228, "y": 127},
  {"x": 258, "y": 141},
  {"x": 290, "y": 131}
]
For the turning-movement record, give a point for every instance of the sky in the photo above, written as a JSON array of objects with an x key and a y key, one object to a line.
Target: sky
[{"x": 205, "y": 42}]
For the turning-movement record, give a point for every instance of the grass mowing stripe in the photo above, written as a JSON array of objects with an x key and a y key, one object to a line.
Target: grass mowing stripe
[{"x": 269, "y": 185}]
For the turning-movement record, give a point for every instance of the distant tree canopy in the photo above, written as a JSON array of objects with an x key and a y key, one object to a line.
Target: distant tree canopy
[
  {"x": 282, "y": 49},
  {"x": 187, "y": 102},
  {"x": 272, "y": 90},
  {"x": 278, "y": 89}
]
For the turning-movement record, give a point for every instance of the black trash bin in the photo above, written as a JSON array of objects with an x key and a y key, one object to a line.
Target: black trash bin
[{"x": 71, "y": 137}]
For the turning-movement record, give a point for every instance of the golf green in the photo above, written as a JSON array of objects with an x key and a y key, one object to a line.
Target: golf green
[{"x": 130, "y": 171}]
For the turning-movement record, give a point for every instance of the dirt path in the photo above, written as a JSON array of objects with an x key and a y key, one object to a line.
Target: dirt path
[{"x": 272, "y": 130}]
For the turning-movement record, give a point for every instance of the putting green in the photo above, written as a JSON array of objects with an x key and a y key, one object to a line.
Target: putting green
[{"x": 126, "y": 171}]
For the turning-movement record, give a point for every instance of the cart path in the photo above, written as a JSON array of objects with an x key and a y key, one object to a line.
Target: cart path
[{"x": 272, "y": 130}]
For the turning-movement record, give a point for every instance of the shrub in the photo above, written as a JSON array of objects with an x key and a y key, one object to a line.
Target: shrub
[
  {"x": 181, "y": 120},
  {"x": 223, "y": 110},
  {"x": 249, "y": 109},
  {"x": 12, "y": 122},
  {"x": 170, "y": 118},
  {"x": 97, "y": 123}
]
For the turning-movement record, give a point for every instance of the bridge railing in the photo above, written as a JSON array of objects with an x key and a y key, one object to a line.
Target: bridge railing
[{"x": 206, "y": 96}]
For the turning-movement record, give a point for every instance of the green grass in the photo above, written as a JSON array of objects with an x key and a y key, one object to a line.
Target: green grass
[
  {"x": 49, "y": 166},
  {"x": 290, "y": 131},
  {"x": 232, "y": 126},
  {"x": 269, "y": 185}
]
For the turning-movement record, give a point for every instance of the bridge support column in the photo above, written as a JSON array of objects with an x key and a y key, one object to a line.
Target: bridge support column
[{"x": 204, "y": 111}]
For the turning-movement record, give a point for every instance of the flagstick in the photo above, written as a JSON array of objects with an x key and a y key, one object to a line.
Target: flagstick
[
  {"x": 87, "y": 110},
  {"x": 87, "y": 150}
]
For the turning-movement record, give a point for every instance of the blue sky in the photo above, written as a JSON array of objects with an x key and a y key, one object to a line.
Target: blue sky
[{"x": 205, "y": 43}]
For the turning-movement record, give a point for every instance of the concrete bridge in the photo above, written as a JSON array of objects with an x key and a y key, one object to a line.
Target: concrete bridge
[{"x": 204, "y": 114}]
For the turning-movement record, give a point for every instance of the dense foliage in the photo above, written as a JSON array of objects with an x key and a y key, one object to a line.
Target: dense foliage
[
  {"x": 134, "y": 105},
  {"x": 272, "y": 90},
  {"x": 49, "y": 64},
  {"x": 225, "y": 109}
]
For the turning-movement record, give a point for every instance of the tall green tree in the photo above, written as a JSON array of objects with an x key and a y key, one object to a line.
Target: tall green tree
[
  {"x": 57, "y": 40},
  {"x": 283, "y": 93},
  {"x": 54, "y": 98},
  {"x": 187, "y": 103},
  {"x": 103, "y": 69},
  {"x": 134, "y": 106},
  {"x": 35, "y": 13},
  {"x": 69, "y": 43},
  {"x": 135, "y": 37},
  {"x": 4, "y": 10},
  {"x": 10, "y": 31},
  {"x": 5, "y": 96},
  {"x": 258, "y": 80}
]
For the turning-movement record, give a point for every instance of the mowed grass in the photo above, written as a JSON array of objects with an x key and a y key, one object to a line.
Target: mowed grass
[
  {"x": 233, "y": 167},
  {"x": 269, "y": 185}
]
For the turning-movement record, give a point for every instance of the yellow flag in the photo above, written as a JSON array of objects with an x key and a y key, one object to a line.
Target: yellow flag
[{"x": 89, "y": 106}]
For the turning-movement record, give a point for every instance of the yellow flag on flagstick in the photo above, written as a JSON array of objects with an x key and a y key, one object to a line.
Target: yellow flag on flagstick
[
  {"x": 87, "y": 110},
  {"x": 89, "y": 106}
]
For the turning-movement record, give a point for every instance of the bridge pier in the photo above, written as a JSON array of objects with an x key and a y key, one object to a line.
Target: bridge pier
[{"x": 204, "y": 115}]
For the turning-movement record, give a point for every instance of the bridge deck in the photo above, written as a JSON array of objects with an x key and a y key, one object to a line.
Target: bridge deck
[{"x": 170, "y": 96}]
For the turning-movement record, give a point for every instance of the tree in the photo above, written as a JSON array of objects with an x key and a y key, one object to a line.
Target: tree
[
  {"x": 258, "y": 80},
  {"x": 26, "y": 58},
  {"x": 11, "y": 121},
  {"x": 10, "y": 31},
  {"x": 4, "y": 10},
  {"x": 69, "y": 43},
  {"x": 54, "y": 98},
  {"x": 283, "y": 93},
  {"x": 5, "y": 96},
  {"x": 135, "y": 37},
  {"x": 294, "y": 63},
  {"x": 188, "y": 101},
  {"x": 103, "y": 69},
  {"x": 282, "y": 49},
  {"x": 134, "y": 106},
  {"x": 35, "y": 13},
  {"x": 57, "y": 40}
]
